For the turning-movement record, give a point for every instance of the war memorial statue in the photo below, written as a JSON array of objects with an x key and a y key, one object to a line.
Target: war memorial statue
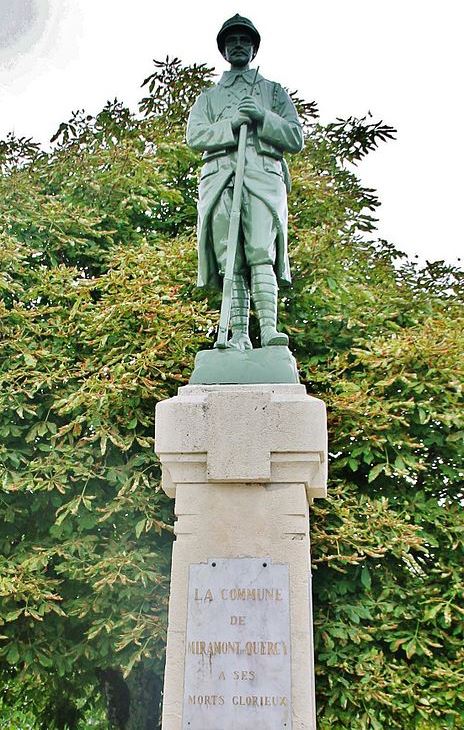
[
  {"x": 242, "y": 447},
  {"x": 243, "y": 126}
]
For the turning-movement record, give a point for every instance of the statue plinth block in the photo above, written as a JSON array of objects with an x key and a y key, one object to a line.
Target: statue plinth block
[
  {"x": 262, "y": 365},
  {"x": 243, "y": 463}
]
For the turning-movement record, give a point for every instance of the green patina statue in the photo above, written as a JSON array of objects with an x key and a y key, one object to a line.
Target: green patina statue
[{"x": 245, "y": 107}]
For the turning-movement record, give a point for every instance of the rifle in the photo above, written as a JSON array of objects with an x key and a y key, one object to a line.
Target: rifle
[{"x": 232, "y": 239}]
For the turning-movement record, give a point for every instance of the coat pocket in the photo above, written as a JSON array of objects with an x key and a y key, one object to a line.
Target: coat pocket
[
  {"x": 280, "y": 168},
  {"x": 271, "y": 165},
  {"x": 209, "y": 168}
]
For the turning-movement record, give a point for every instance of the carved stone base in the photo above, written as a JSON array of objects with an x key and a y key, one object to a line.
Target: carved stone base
[{"x": 242, "y": 463}]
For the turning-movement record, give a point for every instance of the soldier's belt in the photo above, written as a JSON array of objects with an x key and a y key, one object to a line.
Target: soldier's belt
[{"x": 207, "y": 156}]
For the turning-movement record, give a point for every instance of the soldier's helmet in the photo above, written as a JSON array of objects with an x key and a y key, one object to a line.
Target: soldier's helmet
[{"x": 238, "y": 22}]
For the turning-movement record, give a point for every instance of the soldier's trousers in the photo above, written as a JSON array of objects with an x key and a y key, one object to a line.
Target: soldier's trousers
[{"x": 257, "y": 237}]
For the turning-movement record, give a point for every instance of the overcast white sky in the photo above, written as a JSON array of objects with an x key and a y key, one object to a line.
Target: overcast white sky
[{"x": 402, "y": 60}]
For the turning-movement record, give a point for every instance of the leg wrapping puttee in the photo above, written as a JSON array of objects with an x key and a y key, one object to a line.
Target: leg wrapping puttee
[
  {"x": 239, "y": 314},
  {"x": 264, "y": 293}
]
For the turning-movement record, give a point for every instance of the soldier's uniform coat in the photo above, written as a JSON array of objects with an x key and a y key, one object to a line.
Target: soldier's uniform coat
[{"x": 266, "y": 177}]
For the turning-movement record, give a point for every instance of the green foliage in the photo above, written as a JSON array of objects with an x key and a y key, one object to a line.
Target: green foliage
[
  {"x": 100, "y": 319},
  {"x": 12, "y": 718}
]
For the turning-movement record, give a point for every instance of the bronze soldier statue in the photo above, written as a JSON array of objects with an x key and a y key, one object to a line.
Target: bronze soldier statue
[{"x": 260, "y": 261}]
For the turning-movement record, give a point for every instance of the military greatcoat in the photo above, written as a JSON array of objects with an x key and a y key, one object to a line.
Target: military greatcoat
[{"x": 266, "y": 174}]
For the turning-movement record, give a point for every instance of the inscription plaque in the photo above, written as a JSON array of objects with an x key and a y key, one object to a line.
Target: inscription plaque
[{"x": 237, "y": 654}]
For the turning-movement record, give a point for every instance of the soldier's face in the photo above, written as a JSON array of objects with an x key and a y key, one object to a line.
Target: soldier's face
[{"x": 238, "y": 49}]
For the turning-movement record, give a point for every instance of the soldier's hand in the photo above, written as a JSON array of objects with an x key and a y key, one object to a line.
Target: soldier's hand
[
  {"x": 238, "y": 119},
  {"x": 251, "y": 108}
]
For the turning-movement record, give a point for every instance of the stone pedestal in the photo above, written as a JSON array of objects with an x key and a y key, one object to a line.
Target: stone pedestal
[{"x": 242, "y": 462}]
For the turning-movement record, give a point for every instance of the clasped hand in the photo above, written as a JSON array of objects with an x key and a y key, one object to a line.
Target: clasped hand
[{"x": 248, "y": 111}]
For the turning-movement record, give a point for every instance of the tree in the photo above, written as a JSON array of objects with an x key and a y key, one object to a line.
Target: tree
[{"x": 100, "y": 318}]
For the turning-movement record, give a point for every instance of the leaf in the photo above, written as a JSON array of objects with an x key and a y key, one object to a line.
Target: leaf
[
  {"x": 366, "y": 578},
  {"x": 432, "y": 611},
  {"x": 140, "y": 526},
  {"x": 103, "y": 442},
  {"x": 395, "y": 645},
  {"x": 375, "y": 471},
  {"x": 399, "y": 463},
  {"x": 12, "y": 656},
  {"x": 410, "y": 648},
  {"x": 423, "y": 418},
  {"x": 12, "y": 615},
  {"x": 338, "y": 632}
]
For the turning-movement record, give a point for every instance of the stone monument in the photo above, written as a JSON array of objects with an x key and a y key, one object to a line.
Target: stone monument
[{"x": 243, "y": 448}]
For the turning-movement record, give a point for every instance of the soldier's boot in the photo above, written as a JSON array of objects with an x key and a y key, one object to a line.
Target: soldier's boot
[
  {"x": 239, "y": 314},
  {"x": 264, "y": 293}
]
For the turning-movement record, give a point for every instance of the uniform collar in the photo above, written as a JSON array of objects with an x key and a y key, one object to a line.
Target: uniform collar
[{"x": 229, "y": 77}]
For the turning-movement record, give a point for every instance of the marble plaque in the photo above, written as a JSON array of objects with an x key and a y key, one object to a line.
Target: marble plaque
[{"x": 237, "y": 661}]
